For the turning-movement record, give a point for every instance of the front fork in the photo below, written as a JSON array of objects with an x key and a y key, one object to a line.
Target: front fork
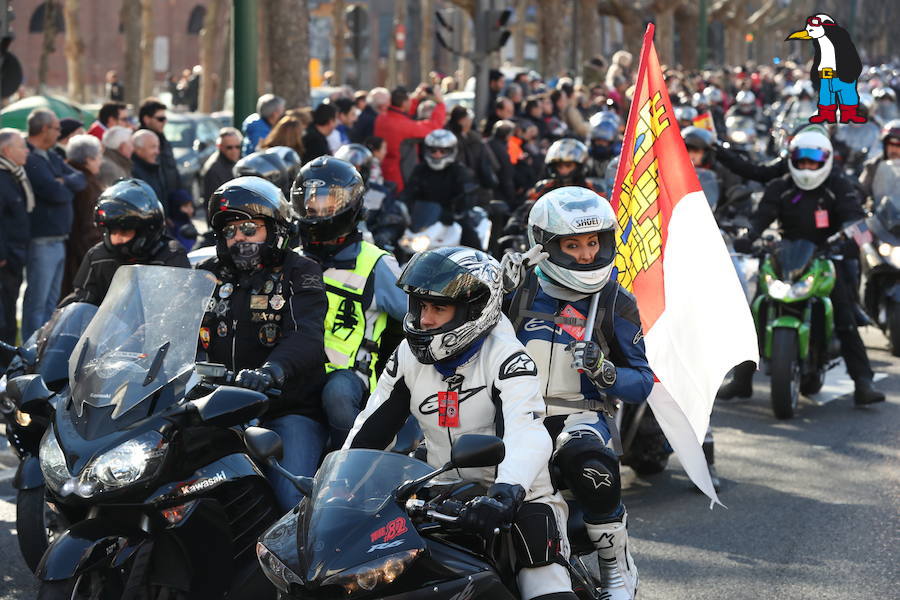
[{"x": 770, "y": 309}]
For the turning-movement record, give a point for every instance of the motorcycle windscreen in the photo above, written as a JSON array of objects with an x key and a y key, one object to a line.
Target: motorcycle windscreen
[
  {"x": 886, "y": 193},
  {"x": 740, "y": 129},
  {"x": 58, "y": 338},
  {"x": 793, "y": 257},
  {"x": 143, "y": 336},
  {"x": 352, "y": 517}
]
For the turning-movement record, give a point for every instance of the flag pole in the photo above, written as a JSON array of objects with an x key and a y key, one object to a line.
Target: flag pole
[{"x": 589, "y": 323}]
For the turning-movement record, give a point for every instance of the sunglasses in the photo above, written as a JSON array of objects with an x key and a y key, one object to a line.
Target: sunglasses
[
  {"x": 439, "y": 151},
  {"x": 161, "y": 119},
  {"x": 231, "y": 147},
  {"x": 247, "y": 229}
]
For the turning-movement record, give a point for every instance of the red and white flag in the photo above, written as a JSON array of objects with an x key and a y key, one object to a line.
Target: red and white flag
[{"x": 694, "y": 314}]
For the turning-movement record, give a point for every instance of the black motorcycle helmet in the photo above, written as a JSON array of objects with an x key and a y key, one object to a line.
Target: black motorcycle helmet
[
  {"x": 252, "y": 198},
  {"x": 328, "y": 197},
  {"x": 131, "y": 204},
  {"x": 359, "y": 156},
  {"x": 697, "y": 138},
  {"x": 292, "y": 164},
  {"x": 268, "y": 165}
]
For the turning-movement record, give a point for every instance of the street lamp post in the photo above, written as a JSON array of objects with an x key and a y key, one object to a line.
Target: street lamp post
[{"x": 245, "y": 36}]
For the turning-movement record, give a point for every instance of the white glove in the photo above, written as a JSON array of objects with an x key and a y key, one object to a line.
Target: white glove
[{"x": 515, "y": 264}]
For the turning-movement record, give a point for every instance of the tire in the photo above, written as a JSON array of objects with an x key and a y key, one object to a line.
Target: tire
[
  {"x": 36, "y": 523},
  {"x": 893, "y": 327},
  {"x": 785, "y": 373},
  {"x": 100, "y": 585}
]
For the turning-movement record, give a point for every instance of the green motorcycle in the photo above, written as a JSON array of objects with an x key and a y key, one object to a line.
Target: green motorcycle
[{"x": 795, "y": 321}]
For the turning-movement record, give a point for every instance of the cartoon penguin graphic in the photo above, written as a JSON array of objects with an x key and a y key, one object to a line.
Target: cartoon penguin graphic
[{"x": 835, "y": 69}]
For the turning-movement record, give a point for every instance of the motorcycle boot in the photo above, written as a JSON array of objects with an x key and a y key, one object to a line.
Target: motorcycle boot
[
  {"x": 618, "y": 574},
  {"x": 864, "y": 394},
  {"x": 710, "y": 453},
  {"x": 741, "y": 384}
]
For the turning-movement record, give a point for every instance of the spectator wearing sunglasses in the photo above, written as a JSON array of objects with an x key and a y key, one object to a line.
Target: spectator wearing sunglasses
[
  {"x": 152, "y": 115},
  {"x": 218, "y": 168}
]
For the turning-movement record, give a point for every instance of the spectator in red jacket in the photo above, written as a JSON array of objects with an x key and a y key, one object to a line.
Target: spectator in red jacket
[
  {"x": 111, "y": 114},
  {"x": 397, "y": 124}
]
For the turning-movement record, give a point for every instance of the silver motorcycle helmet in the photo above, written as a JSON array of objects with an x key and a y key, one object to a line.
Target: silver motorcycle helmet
[
  {"x": 814, "y": 146},
  {"x": 566, "y": 150},
  {"x": 468, "y": 279},
  {"x": 745, "y": 98},
  {"x": 569, "y": 211},
  {"x": 440, "y": 149},
  {"x": 359, "y": 156}
]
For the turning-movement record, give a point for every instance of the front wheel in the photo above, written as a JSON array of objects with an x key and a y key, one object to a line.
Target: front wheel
[
  {"x": 893, "y": 327},
  {"x": 37, "y": 524},
  {"x": 785, "y": 373}
]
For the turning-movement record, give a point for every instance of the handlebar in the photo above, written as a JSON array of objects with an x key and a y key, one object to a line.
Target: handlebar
[{"x": 419, "y": 507}]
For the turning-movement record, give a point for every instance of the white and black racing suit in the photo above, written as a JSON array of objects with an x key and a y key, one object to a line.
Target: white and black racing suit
[{"x": 498, "y": 394}]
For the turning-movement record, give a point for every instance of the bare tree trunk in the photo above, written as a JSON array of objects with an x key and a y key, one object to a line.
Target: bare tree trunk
[
  {"x": 588, "y": 38},
  {"x": 147, "y": 37},
  {"x": 664, "y": 36},
  {"x": 289, "y": 50},
  {"x": 49, "y": 45},
  {"x": 553, "y": 39},
  {"x": 426, "y": 62},
  {"x": 263, "y": 48},
  {"x": 225, "y": 78},
  {"x": 74, "y": 51},
  {"x": 338, "y": 31},
  {"x": 687, "y": 23},
  {"x": 210, "y": 79},
  {"x": 131, "y": 77},
  {"x": 518, "y": 32},
  {"x": 468, "y": 43}
]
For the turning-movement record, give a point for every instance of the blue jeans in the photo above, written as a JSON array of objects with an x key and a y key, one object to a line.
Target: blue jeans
[
  {"x": 43, "y": 274},
  {"x": 835, "y": 91},
  {"x": 304, "y": 441},
  {"x": 342, "y": 399}
]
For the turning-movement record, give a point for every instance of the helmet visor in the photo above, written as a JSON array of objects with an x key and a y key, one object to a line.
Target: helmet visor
[
  {"x": 818, "y": 155},
  {"x": 587, "y": 254},
  {"x": 430, "y": 274},
  {"x": 322, "y": 201}
]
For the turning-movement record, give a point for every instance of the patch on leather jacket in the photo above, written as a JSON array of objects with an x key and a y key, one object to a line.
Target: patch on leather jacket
[{"x": 517, "y": 364}]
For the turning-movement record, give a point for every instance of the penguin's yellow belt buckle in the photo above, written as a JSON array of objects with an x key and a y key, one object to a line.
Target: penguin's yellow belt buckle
[{"x": 827, "y": 73}]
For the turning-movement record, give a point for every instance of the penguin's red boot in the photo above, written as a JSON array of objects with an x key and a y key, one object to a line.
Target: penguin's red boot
[
  {"x": 827, "y": 114},
  {"x": 848, "y": 114}
]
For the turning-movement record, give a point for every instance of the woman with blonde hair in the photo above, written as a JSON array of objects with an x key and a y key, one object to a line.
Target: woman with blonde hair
[{"x": 287, "y": 132}]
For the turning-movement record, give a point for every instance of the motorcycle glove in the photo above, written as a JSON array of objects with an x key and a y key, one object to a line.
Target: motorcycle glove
[
  {"x": 267, "y": 377},
  {"x": 496, "y": 510},
  {"x": 587, "y": 357},
  {"x": 744, "y": 245},
  {"x": 516, "y": 264}
]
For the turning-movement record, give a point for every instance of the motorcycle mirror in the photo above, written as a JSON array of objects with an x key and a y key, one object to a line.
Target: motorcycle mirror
[
  {"x": 263, "y": 444},
  {"x": 28, "y": 391},
  {"x": 227, "y": 406},
  {"x": 472, "y": 450}
]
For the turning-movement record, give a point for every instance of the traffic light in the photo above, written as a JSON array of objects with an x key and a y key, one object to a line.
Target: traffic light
[
  {"x": 497, "y": 33},
  {"x": 11, "y": 75},
  {"x": 357, "y": 19}
]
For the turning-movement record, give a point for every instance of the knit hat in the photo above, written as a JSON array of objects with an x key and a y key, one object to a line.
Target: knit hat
[{"x": 67, "y": 126}]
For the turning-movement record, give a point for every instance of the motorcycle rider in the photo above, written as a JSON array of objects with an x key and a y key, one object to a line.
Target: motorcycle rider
[
  {"x": 890, "y": 150},
  {"x": 360, "y": 283},
  {"x": 461, "y": 370},
  {"x": 812, "y": 203},
  {"x": 566, "y": 163},
  {"x": 132, "y": 222},
  {"x": 444, "y": 182},
  {"x": 604, "y": 146},
  {"x": 577, "y": 227},
  {"x": 265, "y": 319}
]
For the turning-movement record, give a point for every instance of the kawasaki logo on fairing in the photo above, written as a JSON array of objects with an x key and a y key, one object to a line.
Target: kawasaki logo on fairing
[{"x": 204, "y": 483}]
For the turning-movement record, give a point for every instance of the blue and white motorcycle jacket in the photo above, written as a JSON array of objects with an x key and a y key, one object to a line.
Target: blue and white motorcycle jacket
[{"x": 546, "y": 325}]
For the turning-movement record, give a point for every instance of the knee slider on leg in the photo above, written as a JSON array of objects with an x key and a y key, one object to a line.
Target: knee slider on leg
[
  {"x": 591, "y": 471},
  {"x": 535, "y": 536}
]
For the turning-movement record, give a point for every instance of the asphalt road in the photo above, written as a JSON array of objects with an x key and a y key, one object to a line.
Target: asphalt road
[{"x": 813, "y": 506}]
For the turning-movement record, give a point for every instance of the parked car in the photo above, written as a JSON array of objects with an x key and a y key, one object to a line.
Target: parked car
[{"x": 193, "y": 139}]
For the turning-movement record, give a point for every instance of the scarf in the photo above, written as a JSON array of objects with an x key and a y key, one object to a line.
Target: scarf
[{"x": 19, "y": 173}]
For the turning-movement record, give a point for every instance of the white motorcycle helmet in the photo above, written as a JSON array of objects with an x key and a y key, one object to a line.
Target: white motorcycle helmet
[
  {"x": 440, "y": 149},
  {"x": 470, "y": 280},
  {"x": 815, "y": 146},
  {"x": 570, "y": 211}
]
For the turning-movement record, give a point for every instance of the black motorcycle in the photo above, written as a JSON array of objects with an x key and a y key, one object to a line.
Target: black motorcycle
[
  {"x": 39, "y": 368},
  {"x": 881, "y": 262},
  {"x": 167, "y": 503},
  {"x": 375, "y": 525}
]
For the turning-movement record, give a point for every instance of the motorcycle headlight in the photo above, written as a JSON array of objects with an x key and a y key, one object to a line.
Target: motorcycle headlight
[
  {"x": 368, "y": 576},
  {"x": 895, "y": 256},
  {"x": 778, "y": 289},
  {"x": 420, "y": 243},
  {"x": 127, "y": 463},
  {"x": 53, "y": 461},
  {"x": 884, "y": 249},
  {"x": 276, "y": 571}
]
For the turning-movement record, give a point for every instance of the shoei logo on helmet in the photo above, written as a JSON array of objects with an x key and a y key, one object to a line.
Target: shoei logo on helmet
[
  {"x": 313, "y": 183},
  {"x": 585, "y": 222}
]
